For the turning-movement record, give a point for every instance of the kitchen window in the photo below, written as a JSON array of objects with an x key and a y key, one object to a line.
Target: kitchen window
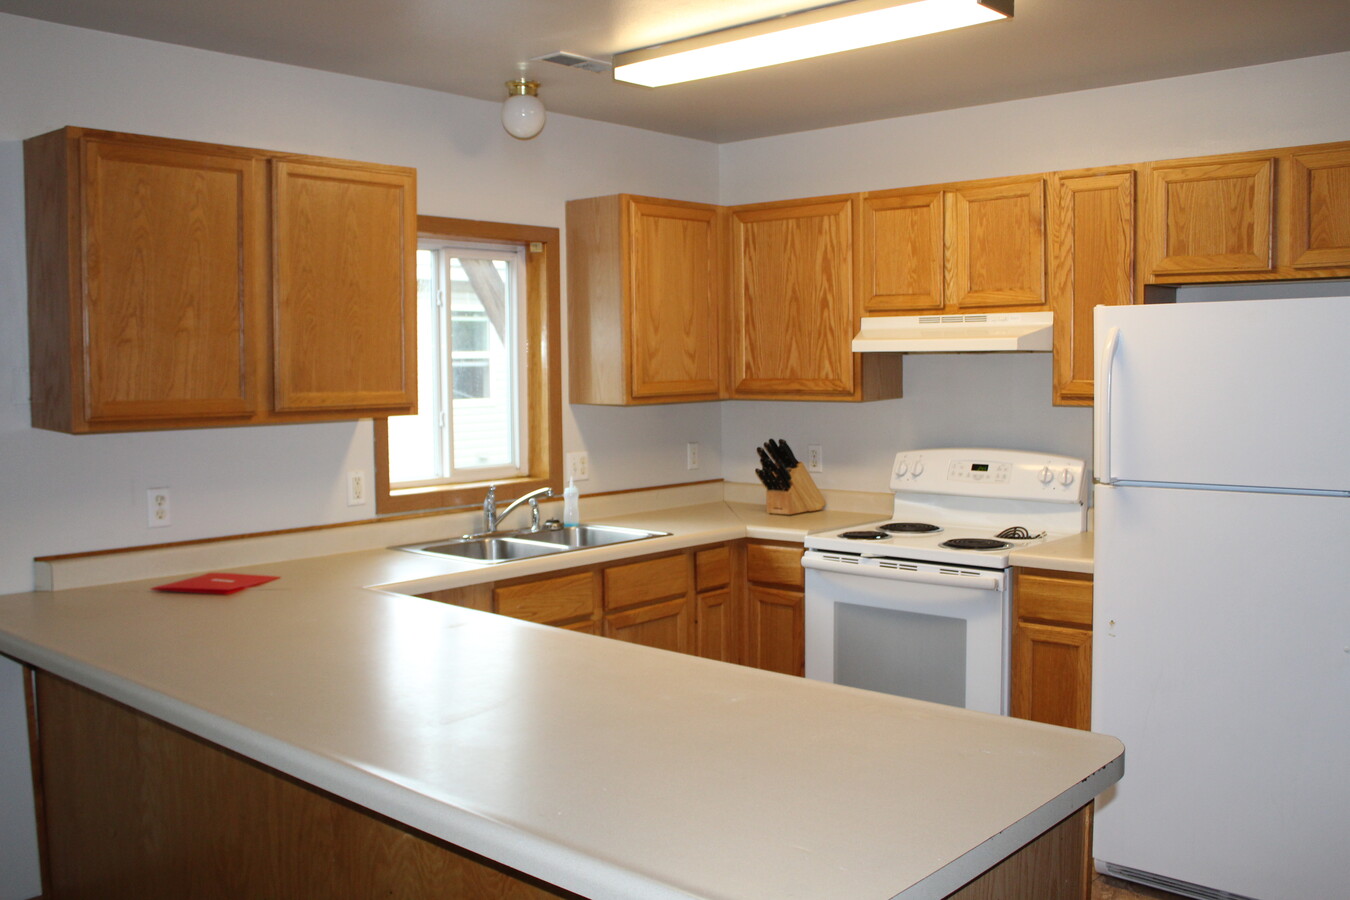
[{"x": 489, "y": 397}]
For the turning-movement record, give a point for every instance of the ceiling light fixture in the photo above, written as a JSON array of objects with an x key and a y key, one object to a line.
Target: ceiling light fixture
[
  {"x": 802, "y": 35},
  {"x": 523, "y": 111}
]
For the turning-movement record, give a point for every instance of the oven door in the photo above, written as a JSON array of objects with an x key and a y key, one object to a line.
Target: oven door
[{"x": 921, "y": 630}]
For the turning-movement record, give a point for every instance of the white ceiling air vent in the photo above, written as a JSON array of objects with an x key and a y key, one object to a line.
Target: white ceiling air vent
[{"x": 574, "y": 61}]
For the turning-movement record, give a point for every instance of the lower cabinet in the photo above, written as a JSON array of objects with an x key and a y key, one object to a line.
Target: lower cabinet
[
  {"x": 775, "y": 607},
  {"x": 739, "y": 602},
  {"x": 1052, "y": 647}
]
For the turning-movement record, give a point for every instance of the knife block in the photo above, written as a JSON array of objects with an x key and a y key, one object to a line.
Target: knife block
[{"x": 802, "y": 497}]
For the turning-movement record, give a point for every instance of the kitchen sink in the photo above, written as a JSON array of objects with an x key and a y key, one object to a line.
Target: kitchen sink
[
  {"x": 504, "y": 547},
  {"x": 579, "y": 537}
]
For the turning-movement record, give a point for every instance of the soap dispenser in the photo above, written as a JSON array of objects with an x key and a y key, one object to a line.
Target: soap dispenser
[{"x": 571, "y": 508}]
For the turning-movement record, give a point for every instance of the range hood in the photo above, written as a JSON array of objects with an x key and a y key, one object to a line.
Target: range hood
[{"x": 974, "y": 333}]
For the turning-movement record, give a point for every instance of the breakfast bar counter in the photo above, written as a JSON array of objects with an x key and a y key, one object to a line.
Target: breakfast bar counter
[{"x": 606, "y": 769}]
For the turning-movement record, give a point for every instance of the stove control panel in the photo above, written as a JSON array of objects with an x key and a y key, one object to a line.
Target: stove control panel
[{"x": 1010, "y": 474}]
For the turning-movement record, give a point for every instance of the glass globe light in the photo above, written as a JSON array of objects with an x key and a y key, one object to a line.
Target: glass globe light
[{"x": 523, "y": 111}]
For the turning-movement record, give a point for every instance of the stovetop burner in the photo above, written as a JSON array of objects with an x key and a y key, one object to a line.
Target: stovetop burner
[
  {"x": 864, "y": 535},
  {"x": 975, "y": 544},
  {"x": 910, "y": 527}
]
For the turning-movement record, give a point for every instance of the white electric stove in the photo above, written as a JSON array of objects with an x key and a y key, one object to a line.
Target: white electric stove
[{"x": 917, "y": 604}]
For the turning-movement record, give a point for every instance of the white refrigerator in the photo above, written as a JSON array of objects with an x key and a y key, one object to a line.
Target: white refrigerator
[{"x": 1221, "y": 634}]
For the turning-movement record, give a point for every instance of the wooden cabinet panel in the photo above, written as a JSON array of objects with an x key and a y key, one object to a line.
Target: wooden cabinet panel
[
  {"x": 1318, "y": 187},
  {"x": 154, "y": 302},
  {"x": 1208, "y": 215},
  {"x": 996, "y": 244},
  {"x": 549, "y": 600},
  {"x": 144, "y": 290},
  {"x": 665, "y": 625},
  {"x": 674, "y": 284},
  {"x": 777, "y": 635},
  {"x": 345, "y": 241},
  {"x": 1053, "y": 675},
  {"x": 779, "y": 564},
  {"x": 712, "y": 568},
  {"x": 1091, "y": 264},
  {"x": 792, "y": 299},
  {"x": 902, "y": 251},
  {"x": 646, "y": 580},
  {"x": 645, "y": 308},
  {"x": 1052, "y": 648},
  {"x": 474, "y": 596},
  {"x": 715, "y": 631}
]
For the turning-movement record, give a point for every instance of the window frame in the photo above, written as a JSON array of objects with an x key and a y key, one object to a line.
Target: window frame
[{"x": 542, "y": 340}]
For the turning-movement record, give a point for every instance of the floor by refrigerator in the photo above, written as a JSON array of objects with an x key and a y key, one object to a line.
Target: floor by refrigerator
[{"x": 1221, "y": 645}]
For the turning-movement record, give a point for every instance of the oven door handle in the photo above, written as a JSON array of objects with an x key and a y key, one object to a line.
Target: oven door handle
[{"x": 947, "y": 576}]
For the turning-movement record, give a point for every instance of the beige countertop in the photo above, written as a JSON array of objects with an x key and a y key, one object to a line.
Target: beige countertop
[
  {"x": 610, "y": 769},
  {"x": 1070, "y": 554}
]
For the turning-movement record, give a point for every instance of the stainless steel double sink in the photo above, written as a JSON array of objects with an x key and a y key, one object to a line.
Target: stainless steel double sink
[{"x": 500, "y": 547}]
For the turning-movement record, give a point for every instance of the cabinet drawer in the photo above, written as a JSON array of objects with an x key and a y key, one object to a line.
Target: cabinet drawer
[
  {"x": 549, "y": 599},
  {"x": 712, "y": 568},
  {"x": 772, "y": 564},
  {"x": 650, "y": 579},
  {"x": 1065, "y": 598}
]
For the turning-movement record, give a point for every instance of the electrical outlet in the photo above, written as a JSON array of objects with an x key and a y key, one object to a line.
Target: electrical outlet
[
  {"x": 691, "y": 455},
  {"x": 578, "y": 466},
  {"x": 815, "y": 462},
  {"x": 356, "y": 488},
  {"x": 157, "y": 507}
]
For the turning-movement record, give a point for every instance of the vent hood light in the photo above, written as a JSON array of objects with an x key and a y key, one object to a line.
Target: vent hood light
[
  {"x": 814, "y": 32},
  {"x": 984, "y": 333}
]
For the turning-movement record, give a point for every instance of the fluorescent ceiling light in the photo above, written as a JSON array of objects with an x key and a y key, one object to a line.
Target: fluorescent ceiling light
[{"x": 814, "y": 32}]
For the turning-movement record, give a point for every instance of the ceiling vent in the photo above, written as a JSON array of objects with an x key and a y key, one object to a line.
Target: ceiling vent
[{"x": 574, "y": 61}]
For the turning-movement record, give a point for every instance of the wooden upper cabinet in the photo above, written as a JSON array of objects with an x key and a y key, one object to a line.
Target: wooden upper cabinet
[
  {"x": 1091, "y": 263},
  {"x": 902, "y": 251},
  {"x": 344, "y": 241},
  {"x": 1209, "y": 215},
  {"x": 645, "y": 290},
  {"x": 794, "y": 306},
  {"x": 1318, "y": 191},
  {"x": 144, "y": 264},
  {"x": 152, "y": 288},
  {"x": 995, "y": 235}
]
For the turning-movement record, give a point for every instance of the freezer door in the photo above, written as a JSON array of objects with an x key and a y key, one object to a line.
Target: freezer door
[
  {"x": 1246, "y": 393},
  {"x": 1221, "y": 658}
]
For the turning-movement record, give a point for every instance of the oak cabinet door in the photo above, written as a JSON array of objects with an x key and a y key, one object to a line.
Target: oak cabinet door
[
  {"x": 645, "y": 300},
  {"x": 1319, "y": 204},
  {"x": 792, "y": 298},
  {"x": 1208, "y": 216},
  {"x": 344, "y": 327},
  {"x": 777, "y": 629},
  {"x": 673, "y": 279},
  {"x": 666, "y": 625},
  {"x": 996, "y": 245},
  {"x": 1052, "y": 648},
  {"x": 902, "y": 251},
  {"x": 715, "y": 629},
  {"x": 1092, "y": 218}
]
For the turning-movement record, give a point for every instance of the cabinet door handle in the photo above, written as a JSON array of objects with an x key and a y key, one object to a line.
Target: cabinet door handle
[{"x": 1101, "y": 439}]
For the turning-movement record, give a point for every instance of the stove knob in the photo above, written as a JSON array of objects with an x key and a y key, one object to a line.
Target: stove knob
[
  {"x": 918, "y": 468},
  {"x": 1046, "y": 475},
  {"x": 901, "y": 469},
  {"x": 1066, "y": 478}
]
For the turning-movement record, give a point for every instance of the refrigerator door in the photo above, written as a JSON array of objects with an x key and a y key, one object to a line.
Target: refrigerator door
[
  {"x": 1248, "y": 393},
  {"x": 1221, "y": 657}
]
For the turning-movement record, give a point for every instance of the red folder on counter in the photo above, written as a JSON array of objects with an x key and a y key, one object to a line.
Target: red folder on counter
[{"x": 215, "y": 583}]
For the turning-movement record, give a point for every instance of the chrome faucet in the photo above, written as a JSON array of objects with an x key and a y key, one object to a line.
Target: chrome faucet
[{"x": 492, "y": 518}]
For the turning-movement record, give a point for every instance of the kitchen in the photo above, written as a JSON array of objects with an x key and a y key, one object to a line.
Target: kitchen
[{"x": 62, "y": 494}]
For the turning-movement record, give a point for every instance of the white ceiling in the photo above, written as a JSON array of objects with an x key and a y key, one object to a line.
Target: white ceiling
[{"x": 471, "y": 47}]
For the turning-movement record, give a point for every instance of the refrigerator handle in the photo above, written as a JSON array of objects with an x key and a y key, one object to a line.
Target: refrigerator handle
[{"x": 1101, "y": 438}]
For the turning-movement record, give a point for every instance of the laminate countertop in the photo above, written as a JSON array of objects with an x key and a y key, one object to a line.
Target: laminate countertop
[
  {"x": 610, "y": 769},
  {"x": 1070, "y": 554}
]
